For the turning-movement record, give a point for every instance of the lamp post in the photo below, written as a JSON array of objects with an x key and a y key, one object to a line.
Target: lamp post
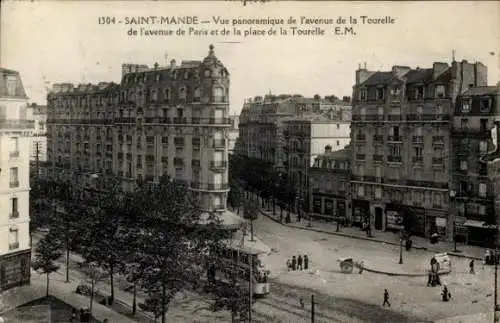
[
  {"x": 452, "y": 197},
  {"x": 401, "y": 248}
]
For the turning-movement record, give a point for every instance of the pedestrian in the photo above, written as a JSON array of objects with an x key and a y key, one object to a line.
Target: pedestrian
[
  {"x": 301, "y": 301},
  {"x": 299, "y": 262},
  {"x": 306, "y": 262},
  {"x": 288, "y": 264},
  {"x": 294, "y": 263},
  {"x": 445, "y": 294},
  {"x": 361, "y": 267},
  {"x": 471, "y": 266},
  {"x": 73, "y": 315},
  {"x": 386, "y": 298}
]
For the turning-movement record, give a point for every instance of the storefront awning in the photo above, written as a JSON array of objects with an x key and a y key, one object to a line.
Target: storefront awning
[{"x": 478, "y": 224}]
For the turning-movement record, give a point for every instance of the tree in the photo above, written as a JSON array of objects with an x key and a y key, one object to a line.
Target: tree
[
  {"x": 106, "y": 231},
  {"x": 251, "y": 212},
  {"x": 152, "y": 304},
  {"x": 66, "y": 221},
  {"x": 94, "y": 275},
  {"x": 236, "y": 195},
  {"x": 174, "y": 245},
  {"x": 48, "y": 251}
]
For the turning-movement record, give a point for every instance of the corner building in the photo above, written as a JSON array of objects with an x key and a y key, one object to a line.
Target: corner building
[
  {"x": 15, "y": 132},
  {"x": 171, "y": 119},
  {"x": 401, "y": 144}
]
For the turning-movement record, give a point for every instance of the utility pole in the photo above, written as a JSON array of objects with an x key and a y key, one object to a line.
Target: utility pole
[
  {"x": 250, "y": 290},
  {"x": 312, "y": 308},
  {"x": 495, "y": 305},
  {"x": 37, "y": 160}
]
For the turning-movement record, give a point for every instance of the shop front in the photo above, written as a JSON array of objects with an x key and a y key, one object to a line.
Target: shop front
[
  {"x": 360, "y": 212},
  {"x": 414, "y": 216}
]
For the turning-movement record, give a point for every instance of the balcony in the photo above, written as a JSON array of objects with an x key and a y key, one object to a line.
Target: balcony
[
  {"x": 360, "y": 137},
  {"x": 437, "y": 160},
  {"x": 219, "y": 143},
  {"x": 124, "y": 120},
  {"x": 395, "y": 138},
  {"x": 378, "y": 158},
  {"x": 209, "y": 186},
  {"x": 427, "y": 184},
  {"x": 427, "y": 117},
  {"x": 221, "y": 121},
  {"x": 394, "y": 159},
  {"x": 360, "y": 156},
  {"x": 438, "y": 140},
  {"x": 418, "y": 159},
  {"x": 13, "y": 245},
  {"x": 14, "y": 154},
  {"x": 14, "y": 184},
  {"x": 418, "y": 139},
  {"x": 218, "y": 165},
  {"x": 395, "y": 117},
  {"x": 16, "y": 124},
  {"x": 179, "y": 142},
  {"x": 357, "y": 177},
  {"x": 14, "y": 215},
  {"x": 378, "y": 138},
  {"x": 180, "y": 120},
  {"x": 179, "y": 162}
]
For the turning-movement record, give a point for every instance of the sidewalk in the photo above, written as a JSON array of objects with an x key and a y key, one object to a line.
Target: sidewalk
[{"x": 390, "y": 238}]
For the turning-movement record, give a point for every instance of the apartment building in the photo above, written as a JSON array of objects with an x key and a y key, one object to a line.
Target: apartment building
[
  {"x": 329, "y": 179},
  {"x": 15, "y": 132},
  {"x": 472, "y": 189},
  {"x": 171, "y": 119},
  {"x": 262, "y": 124},
  {"x": 233, "y": 133},
  {"x": 401, "y": 147},
  {"x": 306, "y": 137}
]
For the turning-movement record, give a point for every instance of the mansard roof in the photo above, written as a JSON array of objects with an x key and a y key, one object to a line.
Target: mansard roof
[{"x": 19, "y": 91}]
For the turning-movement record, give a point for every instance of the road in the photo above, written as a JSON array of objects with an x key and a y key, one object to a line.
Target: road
[{"x": 358, "y": 298}]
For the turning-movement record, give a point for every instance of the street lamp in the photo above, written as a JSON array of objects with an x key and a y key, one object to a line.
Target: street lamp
[{"x": 452, "y": 197}]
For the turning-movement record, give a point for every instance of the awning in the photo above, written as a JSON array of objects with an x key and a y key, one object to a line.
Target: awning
[
  {"x": 478, "y": 224},
  {"x": 227, "y": 219}
]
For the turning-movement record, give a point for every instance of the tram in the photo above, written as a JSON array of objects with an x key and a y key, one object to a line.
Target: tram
[{"x": 236, "y": 260}]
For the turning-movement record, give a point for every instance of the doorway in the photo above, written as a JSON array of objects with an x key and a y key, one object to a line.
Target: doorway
[{"x": 378, "y": 218}]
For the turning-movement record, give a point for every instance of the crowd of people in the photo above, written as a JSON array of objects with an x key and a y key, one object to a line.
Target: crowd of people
[{"x": 298, "y": 263}]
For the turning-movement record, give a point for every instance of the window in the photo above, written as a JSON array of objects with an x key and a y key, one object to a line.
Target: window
[
  {"x": 418, "y": 151},
  {"x": 378, "y": 193},
  {"x": 482, "y": 190},
  {"x": 197, "y": 94},
  {"x": 11, "y": 85},
  {"x": 154, "y": 95},
  {"x": 361, "y": 191},
  {"x": 167, "y": 94},
  {"x": 395, "y": 151},
  {"x": 186, "y": 75},
  {"x": 13, "y": 238},
  {"x": 420, "y": 110},
  {"x": 482, "y": 210},
  {"x": 338, "y": 143},
  {"x": 483, "y": 147},
  {"x": 380, "y": 93},
  {"x": 218, "y": 94},
  {"x": 208, "y": 72},
  {"x": 378, "y": 172},
  {"x": 338, "y": 126},
  {"x": 362, "y": 94},
  {"x": 14, "y": 177},
  {"x": 380, "y": 111},
  {"x": 440, "y": 91},
  {"x": 464, "y": 124},
  {"x": 395, "y": 91},
  {"x": 483, "y": 124},
  {"x": 438, "y": 201},
  {"x": 182, "y": 92},
  {"x": 466, "y": 105},
  {"x": 14, "y": 211},
  {"x": 157, "y": 77},
  {"x": 362, "y": 112},
  {"x": 463, "y": 165},
  {"x": 361, "y": 170},
  {"x": 150, "y": 141},
  {"x": 485, "y": 104},
  {"x": 418, "y": 132},
  {"x": 419, "y": 93}
]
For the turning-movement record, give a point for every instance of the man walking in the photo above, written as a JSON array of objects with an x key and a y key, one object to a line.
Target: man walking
[
  {"x": 471, "y": 266},
  {"x": 386, "y": 298},
  {"x": 306, "y": 262}
]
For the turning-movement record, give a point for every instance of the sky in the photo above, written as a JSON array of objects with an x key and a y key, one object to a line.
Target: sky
[{"x": 52, "y": 42}]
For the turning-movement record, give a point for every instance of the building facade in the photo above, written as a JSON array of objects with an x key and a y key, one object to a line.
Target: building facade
[
  {"x": 305, "y": 138},
  {"x": 233, "y": 133},
  {"x": 15, "y": 133},
  {"x": 171, "y": 119},
  {"x": 401, "y": 147},
  {"x": 473, "y": 188},
  {"x": 38, "y": 141},
  {"x": 329, "y": 178}
]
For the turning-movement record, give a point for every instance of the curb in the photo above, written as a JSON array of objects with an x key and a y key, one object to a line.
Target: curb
[{"x": 352, "y": 236}]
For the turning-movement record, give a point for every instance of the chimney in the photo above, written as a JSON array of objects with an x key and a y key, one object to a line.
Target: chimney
[
  {"x": 172, "y": 64},
  {"x": 400, "y": 71},
  {"x": 438, "y": 69}
]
